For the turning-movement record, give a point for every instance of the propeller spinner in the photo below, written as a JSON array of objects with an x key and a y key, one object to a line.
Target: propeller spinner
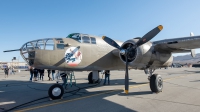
[{"x": 148, "y": 36}]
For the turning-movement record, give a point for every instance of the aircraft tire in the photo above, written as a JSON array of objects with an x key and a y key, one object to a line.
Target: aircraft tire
[
  {"x": 56, "y": 91},
  {"x": 90, "y": 78},
  {"x": 156, "y": 83}
]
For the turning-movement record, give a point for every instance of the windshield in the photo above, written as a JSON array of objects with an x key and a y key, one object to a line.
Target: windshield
[{"x": 75, "y": 36}]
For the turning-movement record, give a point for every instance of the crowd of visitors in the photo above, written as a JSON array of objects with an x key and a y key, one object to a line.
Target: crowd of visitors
[
  {"x": 38, "y": 74},
  {"x": 9, "y": 70}
]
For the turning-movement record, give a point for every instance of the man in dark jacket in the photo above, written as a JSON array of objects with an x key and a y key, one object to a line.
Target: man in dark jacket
[
  {"x": 41, "y": 71},
  {"x": 35, "y": 72},
  {"x": 31, "y": 72},
  {"x": 107, "y": 76},
  {"x": 6, "y": 72}
]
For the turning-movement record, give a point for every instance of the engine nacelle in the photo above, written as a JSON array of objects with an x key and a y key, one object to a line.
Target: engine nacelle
[
  {"x": 159, "y": 59},
  {"x": 144, "y": 56}
]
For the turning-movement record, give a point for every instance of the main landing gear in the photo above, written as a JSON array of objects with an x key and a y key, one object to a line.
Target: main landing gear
[
  {"x": 93, "y": 77},
  {"x": 156, "y": 81}
]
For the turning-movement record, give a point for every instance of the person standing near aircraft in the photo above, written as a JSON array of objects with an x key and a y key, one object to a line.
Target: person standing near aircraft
[
  {"x": 64, "y": 75},
  {"x": 13, "y": 70},
  {"x": 6, "y": 72},
  {"x": 53, "y": 72},
  {"x": 31, "y": 72},
  {"x": 41, "y": 71},
  {"x": 10, "y": 70},
  {"x": 49, "y": 72},
  {"x": 107, "y": 76},
  {"x": 35, "y": 72}
]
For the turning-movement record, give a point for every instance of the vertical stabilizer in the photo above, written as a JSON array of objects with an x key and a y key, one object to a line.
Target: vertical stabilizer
[
  {"x": 192, "y": 50},
  {"x": 191, "y": 34}
]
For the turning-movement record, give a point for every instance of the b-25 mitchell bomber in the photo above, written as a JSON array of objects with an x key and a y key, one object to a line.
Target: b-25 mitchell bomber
[{"x": 83, "y": 52}]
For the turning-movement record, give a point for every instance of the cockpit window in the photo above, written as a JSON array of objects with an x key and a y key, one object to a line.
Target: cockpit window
[{"x": 75, "y": 36}]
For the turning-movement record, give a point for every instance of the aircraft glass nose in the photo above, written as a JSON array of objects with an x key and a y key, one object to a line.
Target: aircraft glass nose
[
  {"x": 28, "y": 49},
  {"x": 28, "y": 52}
]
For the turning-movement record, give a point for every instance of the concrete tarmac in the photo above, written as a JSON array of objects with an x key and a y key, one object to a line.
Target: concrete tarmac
[{"x": 180, "y": 93}]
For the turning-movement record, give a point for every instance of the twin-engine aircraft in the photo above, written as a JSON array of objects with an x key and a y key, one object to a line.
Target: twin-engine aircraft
[{"x": 83, "y": 52}]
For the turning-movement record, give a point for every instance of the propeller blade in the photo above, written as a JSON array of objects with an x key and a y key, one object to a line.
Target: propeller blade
[
  {"x": 12, "y": 50},
  {"x": 126, "y": 75},
  {"x": 111, "y": 42},
  {"x": 148, "y": 36}
]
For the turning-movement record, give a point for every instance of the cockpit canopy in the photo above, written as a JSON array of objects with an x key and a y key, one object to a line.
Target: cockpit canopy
[{"x": 82, "y": 38}]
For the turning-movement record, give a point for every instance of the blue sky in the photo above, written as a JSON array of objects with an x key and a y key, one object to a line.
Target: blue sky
[{"x": 25, "y": 20}]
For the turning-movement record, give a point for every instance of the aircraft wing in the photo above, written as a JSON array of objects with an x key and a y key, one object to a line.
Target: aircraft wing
[{"x": 177, "y": 45}]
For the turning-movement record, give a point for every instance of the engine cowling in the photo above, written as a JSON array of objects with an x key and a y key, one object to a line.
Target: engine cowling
[{"x": 144, "y": 56}]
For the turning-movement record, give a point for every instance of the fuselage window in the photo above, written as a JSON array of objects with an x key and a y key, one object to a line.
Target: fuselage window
[
  {"x": 93, "y": 40},
  {"x": 49, "y": 45},
  {"x": 86, "y": 39},
  {"x": 60, "y": 46}
]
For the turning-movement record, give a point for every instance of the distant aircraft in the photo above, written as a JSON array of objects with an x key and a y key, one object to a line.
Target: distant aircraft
[{"x": 83, "y": 52}]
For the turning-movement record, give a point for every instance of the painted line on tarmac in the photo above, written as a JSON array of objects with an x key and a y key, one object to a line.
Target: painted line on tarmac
[
  {"x": 46, "y": 105},
  {"x": 64, "y": 101}
]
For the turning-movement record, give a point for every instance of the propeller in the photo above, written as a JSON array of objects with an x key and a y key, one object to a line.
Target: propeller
[
  {"x": 148, "y": 36},
  {"x": 12, "y": 50}
]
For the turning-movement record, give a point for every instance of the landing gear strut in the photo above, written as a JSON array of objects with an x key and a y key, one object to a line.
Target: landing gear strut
[{"x": 156, "y": 81}]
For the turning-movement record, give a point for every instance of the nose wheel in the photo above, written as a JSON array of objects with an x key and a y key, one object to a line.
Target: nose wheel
[{"x": 56, "y": 91}]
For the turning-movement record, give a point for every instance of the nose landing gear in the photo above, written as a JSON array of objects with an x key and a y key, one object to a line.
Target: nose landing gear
[{"x": 56, "y": 91}]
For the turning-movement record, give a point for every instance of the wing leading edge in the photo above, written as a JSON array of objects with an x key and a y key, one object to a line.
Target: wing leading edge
[{"x": 178, "y": 45}]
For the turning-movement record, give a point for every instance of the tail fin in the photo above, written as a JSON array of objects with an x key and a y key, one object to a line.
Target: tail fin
[
  {"x": 191, "y": 34},
  {"x": 192, "y": 50}
]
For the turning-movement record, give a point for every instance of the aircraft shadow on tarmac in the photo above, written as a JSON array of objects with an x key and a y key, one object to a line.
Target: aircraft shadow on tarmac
[{"x": 25, "y": 91}]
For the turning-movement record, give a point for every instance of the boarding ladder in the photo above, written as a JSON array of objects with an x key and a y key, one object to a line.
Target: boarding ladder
[{"x": 71, "y": 78}]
